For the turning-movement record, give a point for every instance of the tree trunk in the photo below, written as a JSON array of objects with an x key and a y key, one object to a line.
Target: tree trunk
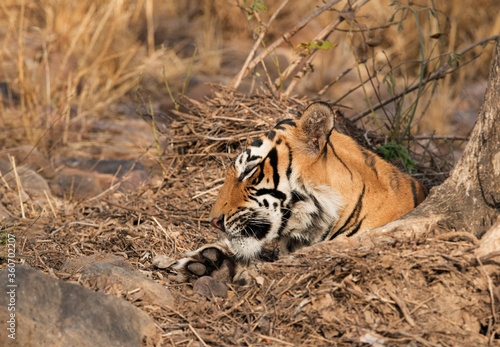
[{"x": 469, "y": 200}]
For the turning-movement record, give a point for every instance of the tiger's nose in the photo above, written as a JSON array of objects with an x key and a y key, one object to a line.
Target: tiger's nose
[{"x": 218, "y": 223}]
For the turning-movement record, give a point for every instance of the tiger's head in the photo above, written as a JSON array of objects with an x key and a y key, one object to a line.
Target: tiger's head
[{"x": 270, "y": 191}]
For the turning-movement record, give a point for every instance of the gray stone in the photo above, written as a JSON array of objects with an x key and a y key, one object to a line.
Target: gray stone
[
  {"x": 5, "y": 167},
  {"x": 32, "y": 183},
  {"x": 77, "y": 265},
  {"x": 121, "y": 281},
  {"x": 162, "y": 261},
  {"x": 115, "y": 167},
  {"x": 51, "y": 312},
  {"x": 29, "y": 156},
  {"x": 77, "y": 186},
  {"x": 133, "y": 180}
]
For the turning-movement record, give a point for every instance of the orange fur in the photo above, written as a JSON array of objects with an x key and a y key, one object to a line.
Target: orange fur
[{"x": 388, "y": 192}]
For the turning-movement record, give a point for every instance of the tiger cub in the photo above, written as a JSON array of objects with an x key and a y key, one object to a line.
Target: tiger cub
[{"x": 302, "y": 183}]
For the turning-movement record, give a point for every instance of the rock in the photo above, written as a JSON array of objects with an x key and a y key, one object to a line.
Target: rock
[
  {"x": 77, "y": 265},
  {"x": 134, "y": 179},
  {"x": 29, "y": 156},
  {"x": 5, "y": 167},
  {"x": 77, "y": 186},
  {"x": 210, "y": 287},
  {"x": 105, "y": 166},
  {"x": 110, "y": 273},
  {"x": 4, "y": 214},
  {"x": 121, "y": 281},
  {"x": 32, "y": 183},
  {"x": 13, "y": 196},
  {"x": 132, "y": 130},
  {"x": 162, "y": 261},
  {"x": 113, "y": 151},
  {"x": 51, "y": 312}
]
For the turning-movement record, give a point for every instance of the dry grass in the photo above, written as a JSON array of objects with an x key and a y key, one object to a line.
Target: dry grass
[{"x": 65, "y": 61}]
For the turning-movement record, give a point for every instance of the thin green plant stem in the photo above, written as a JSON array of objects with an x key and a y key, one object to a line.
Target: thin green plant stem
[
  {"x": 186, "y": 80},
  {"x": 275, "y": 59},
  {"x": 153, "y": 127},
  {"x": 377, "y": 121},
  {"x": 153, "y": 122},
  {"x": 176, "y": 105},
  {"x": 362, "y": 83},
  {"x": 423, "y": 64}
]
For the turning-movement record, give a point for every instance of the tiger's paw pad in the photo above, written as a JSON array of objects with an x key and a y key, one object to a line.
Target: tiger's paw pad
[{"x": 206, "y": 261}]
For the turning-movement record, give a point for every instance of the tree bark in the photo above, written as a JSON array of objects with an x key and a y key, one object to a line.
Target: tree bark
[{"x": 469, "y": 200}]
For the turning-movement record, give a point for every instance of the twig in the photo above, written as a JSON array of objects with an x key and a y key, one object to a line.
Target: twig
[
  {"x": 236, "y": 82},
  {"x": 445, "y": 138},
  {"x": 232, "y": 138},
  {"x": 206, "y": 192},
  {"x": 184, "y": 115},
  {"x": 439, "y": 74},
  {"x": 50, "y": 204},
  {"x": 420, "y": 339},
  {"x": 451, "y": 234},
  {"x": 188, "y": 155},
  {"x": 270, "y": 338},
  {"x": 18, "y": 182},
  {"x": 415, "y": 309},
  {"x": 4, "y": 181},
  {"x": 304, "y": 60},
  {"x": 430, "y": 174},
  {"x": 197, "y": 335},
  {"x": 110, "y": 189},
  {"x": 285, "y": 37},
  {"x": 243, "y": 120},
  {"x": 329, "y": 85},
  {"x": 404, "y": 309},
  {"x": 490, "y": 289},
  {"x": 489, "y": 256},
  {"x": 252, "y": 111},
  {"x": 353, "y": 89},
  {"x": 128, "y": 208}
]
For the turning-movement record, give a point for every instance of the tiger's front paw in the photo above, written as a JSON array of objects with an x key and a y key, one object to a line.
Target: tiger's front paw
[{"x": 211, "y": 260}]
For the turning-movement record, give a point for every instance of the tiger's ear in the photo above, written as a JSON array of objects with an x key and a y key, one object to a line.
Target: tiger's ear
[{"x": 315, "y": 126}]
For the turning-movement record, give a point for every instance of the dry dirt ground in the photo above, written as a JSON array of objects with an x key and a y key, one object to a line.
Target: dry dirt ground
[{"x": 427, "y": 291}]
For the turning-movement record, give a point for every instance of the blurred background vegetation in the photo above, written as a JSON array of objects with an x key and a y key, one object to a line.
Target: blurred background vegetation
[{"x": 64, "y": 62}]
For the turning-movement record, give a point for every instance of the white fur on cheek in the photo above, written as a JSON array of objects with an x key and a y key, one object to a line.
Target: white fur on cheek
[{"x": 248, "y": 247}]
